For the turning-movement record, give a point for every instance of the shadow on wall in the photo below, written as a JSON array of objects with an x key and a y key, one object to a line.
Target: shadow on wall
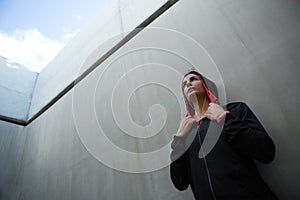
[{"x": 16, "y": 88}]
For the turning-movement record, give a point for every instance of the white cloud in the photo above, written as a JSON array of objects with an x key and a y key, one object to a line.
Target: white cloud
[{"x": 29, "y": 48}]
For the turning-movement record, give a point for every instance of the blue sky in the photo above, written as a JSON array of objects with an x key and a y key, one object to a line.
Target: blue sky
[{"x": 31, "y": 29}]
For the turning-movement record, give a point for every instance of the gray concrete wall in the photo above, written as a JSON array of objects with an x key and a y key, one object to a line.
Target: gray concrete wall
[
  {"x": 46, "y": 160},
  {"x": 16, "y": 88},
  {"x": 115, "y": 19},
  {"x": 255, "y": 45}
]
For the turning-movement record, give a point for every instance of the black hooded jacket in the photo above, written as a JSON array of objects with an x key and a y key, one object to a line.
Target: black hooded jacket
[{"x": 228, "y": 171}]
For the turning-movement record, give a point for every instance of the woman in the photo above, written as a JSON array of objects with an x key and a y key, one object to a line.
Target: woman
[{"x": 228, "y": 170}]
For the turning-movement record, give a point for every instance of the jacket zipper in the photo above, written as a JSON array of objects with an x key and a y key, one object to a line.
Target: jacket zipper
[{"x": 205, "y": 162}]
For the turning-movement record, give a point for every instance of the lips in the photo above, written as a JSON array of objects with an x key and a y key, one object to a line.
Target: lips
[{"x": 190, "y": 90}]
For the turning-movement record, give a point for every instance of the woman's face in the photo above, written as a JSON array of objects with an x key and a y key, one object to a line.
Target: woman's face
[{"x": 192, "y": 86}]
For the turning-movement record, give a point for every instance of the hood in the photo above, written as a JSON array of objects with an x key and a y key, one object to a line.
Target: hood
[{"x": 210, "y": 89}]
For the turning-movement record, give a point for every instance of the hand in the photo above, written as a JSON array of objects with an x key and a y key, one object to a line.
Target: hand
[
  {"x": 185, "y": 126},
  {"x": 214, "y": 111}
]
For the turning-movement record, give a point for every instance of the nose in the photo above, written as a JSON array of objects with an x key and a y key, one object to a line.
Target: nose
[{"x": 188, "y": 84}]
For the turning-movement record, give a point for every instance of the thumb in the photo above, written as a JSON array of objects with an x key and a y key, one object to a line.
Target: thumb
[{"x": 208, "y": 114}]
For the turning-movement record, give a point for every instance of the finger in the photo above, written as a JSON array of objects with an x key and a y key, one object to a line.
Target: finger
[
  {"x": 207, "y": 114},
  {"x": 212, "y": 104},
  {"x": 191, "y": 120},
  {"x": 186, "y": 117},
  {"x": 208, "y": 109},
  {"x": 189, "y": 117}
]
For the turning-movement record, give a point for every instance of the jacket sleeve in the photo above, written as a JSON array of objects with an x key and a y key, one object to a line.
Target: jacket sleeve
[
  {"x": 247, "y": 135},
  {"x": 179, "y": 169}
]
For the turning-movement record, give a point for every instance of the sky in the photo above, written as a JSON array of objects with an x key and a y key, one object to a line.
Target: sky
[{"x": 33, "y": 32}]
